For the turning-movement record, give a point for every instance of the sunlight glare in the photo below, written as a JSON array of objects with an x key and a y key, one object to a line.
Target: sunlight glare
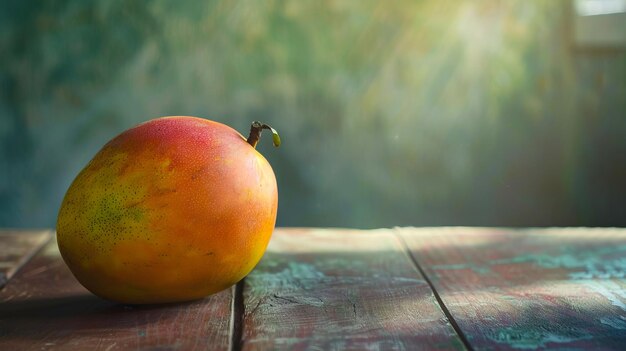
[{"x": 599, "y": 7}]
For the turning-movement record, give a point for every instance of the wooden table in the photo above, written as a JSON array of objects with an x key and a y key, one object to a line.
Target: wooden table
[{"x": 336, "y": 289}]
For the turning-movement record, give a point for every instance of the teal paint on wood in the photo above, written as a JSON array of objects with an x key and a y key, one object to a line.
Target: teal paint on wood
[
  {"x": 529, "y": 289},
  {"x": 350, "y": 289},
  {"x": 341, "y": 289}
]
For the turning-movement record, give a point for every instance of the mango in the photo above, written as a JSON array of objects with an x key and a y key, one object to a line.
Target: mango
[{"x": 174, "y": 209}]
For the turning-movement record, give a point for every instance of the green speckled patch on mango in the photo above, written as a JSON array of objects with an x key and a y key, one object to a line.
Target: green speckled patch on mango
[{"x": 104, "y": 204}]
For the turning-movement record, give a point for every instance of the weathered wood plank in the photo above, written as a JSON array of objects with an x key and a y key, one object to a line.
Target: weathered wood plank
[
  {"x": 341, "y": 290},
  {"x": 529, "y": 289},
  {"x": 16, "y": 248},
  {"x": 44, "y": 307}
]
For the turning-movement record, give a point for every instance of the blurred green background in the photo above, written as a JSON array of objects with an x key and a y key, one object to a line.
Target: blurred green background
[{"x": 391, "y": 113}]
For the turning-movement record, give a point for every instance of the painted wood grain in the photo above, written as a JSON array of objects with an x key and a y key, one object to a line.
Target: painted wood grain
[
  {"x": 43, "y": 307},
  {"x": 529, "y": 289},
  {"x": 16, "y": 248},
  {"x": 340, "y": 290}
]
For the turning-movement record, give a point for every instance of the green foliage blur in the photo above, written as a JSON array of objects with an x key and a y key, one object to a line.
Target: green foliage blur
[{"x": 391, "y": 112}]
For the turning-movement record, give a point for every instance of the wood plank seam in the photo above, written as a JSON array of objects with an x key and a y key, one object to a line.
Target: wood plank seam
[
  {"x": 5, "y": 278},
  {"x": 236, "y": 317},
  {"x": 442, "y": 305},
  {"x": 341, "y": 289},
  {"x": 537, "y": 288}
]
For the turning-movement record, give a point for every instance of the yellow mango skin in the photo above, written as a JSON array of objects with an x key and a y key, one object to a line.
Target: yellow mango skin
[{"x": 174, "y": 209}]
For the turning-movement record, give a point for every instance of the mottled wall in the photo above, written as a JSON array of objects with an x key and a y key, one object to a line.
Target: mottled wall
[{"x": 391, "y": 113}]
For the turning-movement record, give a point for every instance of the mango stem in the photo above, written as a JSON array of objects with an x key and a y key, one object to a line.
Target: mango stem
[{"x": 255, "y": 134}]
